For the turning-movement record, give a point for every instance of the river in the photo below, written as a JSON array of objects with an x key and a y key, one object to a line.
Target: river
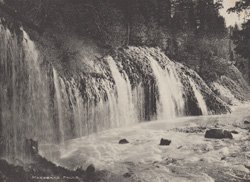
[{"x": 189, "y": 157}]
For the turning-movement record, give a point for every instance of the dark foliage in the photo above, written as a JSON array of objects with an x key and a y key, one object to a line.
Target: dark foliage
[
  {"x": 120, "y": 22},
  {"x": 241, "y": 37},
  {"x": 188, "y": 31},
  {"x": 240, "y": 6}
]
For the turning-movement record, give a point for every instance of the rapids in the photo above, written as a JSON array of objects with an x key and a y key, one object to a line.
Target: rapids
[{"x": 190, "y": 156}]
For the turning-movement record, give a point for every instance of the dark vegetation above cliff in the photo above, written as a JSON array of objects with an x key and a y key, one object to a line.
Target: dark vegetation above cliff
[
  {"x": 189, "y": 31},
  {"x": 241, "y": 37},
  {"x": 124, "y": 22}
]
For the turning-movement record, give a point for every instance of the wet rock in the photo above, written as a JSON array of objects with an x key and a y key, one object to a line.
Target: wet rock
[
  {"x": 123, "y": 141},
  {"x": 165, "y": 142},
  {"x": 9, "y": 172},
  {"x": 218, "y": 134},
  {"x": 41, "y": 167},
  {"x": 246, "y": 122},
  {"x": 90, "y": 169},
  {"x": 127, "y": 175},
  {"x": 235, "y": 132},
  {"x": 223, "y": 158}
]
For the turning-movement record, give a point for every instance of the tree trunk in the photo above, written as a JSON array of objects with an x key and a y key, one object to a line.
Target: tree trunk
[
  {"x": 249, "y": 71},
  {"x": 128, "y": 16},
  {"x": 128, "y": 33}
]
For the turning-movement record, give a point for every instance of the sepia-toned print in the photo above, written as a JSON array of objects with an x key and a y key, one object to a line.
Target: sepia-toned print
[{"x": 124, "y": 90}]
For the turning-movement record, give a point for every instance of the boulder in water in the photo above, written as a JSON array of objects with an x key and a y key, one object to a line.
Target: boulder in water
[
  {"x": 127, "y": 175},
  {"x": 165, "y": 142},
  {"x": 123, "y": 141},
  {"x": 218, "y": 134},
  {"x": 90, "y": 169},
  {"x": 246, "y": 122}
]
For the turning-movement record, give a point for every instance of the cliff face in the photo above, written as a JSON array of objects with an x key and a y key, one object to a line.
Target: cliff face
[
  {"x": 136, "y": 61},
  {"x": 128, "y": 86},
  {"x": 231, "y": 86}
]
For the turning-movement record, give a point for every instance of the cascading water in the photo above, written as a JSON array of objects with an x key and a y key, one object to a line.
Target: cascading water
[
  {"x": 77, "y": 106},
  {"x": 113, "y": 107},
  {"x": 24, "y": 95},
  {"x": 38, "y": 102},
  {"x": 171, "y": 102},
  {"x": 199, "y": 97},
  {"x": 59, "y": 105},
  {"x": 139, "y": 102},
  {"x": 124, "y": 94}
]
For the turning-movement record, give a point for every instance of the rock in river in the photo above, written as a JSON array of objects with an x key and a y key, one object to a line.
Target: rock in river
[
  {"x": 90, "y": 169},
  {"x": 165, "y": 142},
  {"x": 123, "y": 141},
  {"x": 218, "y": 134},
  {"x": 246, "y": 122}
]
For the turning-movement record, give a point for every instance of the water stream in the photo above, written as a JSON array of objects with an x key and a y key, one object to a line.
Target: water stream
[
  {"x": 171, "y": 102},
  {"x": 124, "y": 95},
  {"x": 199, "y": 97}
]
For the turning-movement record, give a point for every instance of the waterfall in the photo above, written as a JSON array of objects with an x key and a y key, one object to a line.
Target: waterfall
[
  {"x": 113, "y": 107},
  {"x": 38, "y": 101},
  {"x": 201, "y": 103},
  {"x": 24, "y": 95},
  {"x": 77, "y": 105},
  {"x": 59, "y": 105},
  {"x": 139, "y": 102},
  {"x": 171, "y": 102},
  {"x": 124, "y": 94}
]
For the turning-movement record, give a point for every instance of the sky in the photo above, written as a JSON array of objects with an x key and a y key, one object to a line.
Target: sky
[{"x": 231, "y": 18}]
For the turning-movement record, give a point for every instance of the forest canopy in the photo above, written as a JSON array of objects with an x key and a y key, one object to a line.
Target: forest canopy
[
  {"x": 241, "y": 36},
  {"x": 188, "y": 31}
]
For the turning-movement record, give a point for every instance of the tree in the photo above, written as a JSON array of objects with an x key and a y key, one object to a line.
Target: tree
[
  {"x": 209, "y": 18},
  {"x": 240, "y": 6},
  {"x": 241, "y": 37}
]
